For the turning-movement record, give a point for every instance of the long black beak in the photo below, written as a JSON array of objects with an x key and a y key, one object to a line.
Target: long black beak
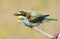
[{"x": 16, "y": 14}]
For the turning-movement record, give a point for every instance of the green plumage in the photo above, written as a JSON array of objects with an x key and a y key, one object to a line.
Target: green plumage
[
  {"x": 33, "y": 18},
  {"x": 50, "y": 19}
]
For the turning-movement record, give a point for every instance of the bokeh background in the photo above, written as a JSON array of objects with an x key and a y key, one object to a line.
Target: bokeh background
[{"x": 10, "y": 29}]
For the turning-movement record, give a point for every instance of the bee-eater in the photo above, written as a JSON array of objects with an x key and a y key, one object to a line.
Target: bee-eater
[{"x": 32, "y": 18}]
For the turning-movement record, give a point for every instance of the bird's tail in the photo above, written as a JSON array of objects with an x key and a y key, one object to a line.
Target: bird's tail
[{"x": 50, "y": 19}]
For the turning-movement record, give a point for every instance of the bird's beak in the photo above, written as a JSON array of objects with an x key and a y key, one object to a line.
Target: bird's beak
[
  {"x": 19, "y": 16},
  {"x": 15, "y": 14}
]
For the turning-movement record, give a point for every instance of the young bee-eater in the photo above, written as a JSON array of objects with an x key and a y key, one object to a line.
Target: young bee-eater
[{"x": 32, "y": 18}]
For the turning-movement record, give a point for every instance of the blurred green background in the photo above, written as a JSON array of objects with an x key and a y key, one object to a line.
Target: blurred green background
[{"x": 10, "y": 29}]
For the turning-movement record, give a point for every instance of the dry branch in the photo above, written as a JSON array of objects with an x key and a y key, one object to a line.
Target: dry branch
[{"x": 55, "y": 36}]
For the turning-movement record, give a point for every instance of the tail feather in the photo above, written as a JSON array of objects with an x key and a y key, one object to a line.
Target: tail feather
[{"x": 51, "y": 19}]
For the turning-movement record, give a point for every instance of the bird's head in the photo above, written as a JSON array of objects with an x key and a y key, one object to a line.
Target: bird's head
[{"x": 20, "y": 14}]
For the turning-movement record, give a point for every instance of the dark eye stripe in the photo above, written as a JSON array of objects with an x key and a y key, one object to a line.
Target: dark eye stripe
[{"x": 18, "y": 14}]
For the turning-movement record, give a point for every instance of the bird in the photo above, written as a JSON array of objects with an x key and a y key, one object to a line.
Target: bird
[{"x": 32, "y": 18}]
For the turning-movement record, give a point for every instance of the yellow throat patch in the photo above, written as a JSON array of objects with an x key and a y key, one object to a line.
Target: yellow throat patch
[{"x": 19, "y": 17}]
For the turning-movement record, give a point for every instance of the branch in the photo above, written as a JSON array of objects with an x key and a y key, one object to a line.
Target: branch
[{"x": 56, "y": 36}]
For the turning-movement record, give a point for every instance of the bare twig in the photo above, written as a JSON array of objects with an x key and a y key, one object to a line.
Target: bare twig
[
  {"x": 56, "y": 36},
  {"x": 44, "y": 33}
]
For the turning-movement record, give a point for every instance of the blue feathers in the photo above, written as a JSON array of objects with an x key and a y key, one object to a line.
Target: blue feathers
[{"x": 28, "y": 23}]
